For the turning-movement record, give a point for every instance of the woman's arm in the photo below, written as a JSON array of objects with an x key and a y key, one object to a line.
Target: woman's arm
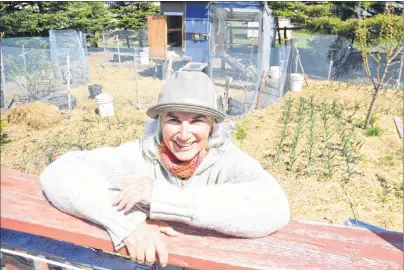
[
  {"x": 79, "y": 183},
  {"x": 250, "y": 203}
]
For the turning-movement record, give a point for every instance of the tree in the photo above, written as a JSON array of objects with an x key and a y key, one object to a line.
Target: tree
[
  {"x": 19, "y": 19},
  {"x": 337, "y": 18},
  {"x": 390, "y": 43},
  {"x": 89, "y": 17},
  {"x": 133, "y": 15}
]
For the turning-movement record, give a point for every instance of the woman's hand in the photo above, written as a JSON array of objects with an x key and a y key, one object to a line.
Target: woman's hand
[
  {"x": 138, "y": 191},
  {"x": 145, "y": 244}
]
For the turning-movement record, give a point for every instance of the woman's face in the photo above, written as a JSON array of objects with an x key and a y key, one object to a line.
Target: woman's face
[{"x": 185, "y": 134}]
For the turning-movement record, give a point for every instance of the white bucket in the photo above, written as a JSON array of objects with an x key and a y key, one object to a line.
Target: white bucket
[
  {"x": 144, "y": 56},
  {"x": 296, "y": 82},
  {"x": 275, "y": 72},
  {"x": 105, "y": 104}
]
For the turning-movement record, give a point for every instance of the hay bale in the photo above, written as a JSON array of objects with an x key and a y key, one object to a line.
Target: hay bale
[{"x": 37, "y": 115}]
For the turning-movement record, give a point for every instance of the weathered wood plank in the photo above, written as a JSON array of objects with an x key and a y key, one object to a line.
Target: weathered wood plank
[
  {"x": 398, "y": 126},
  {"x": 157, "y": 36},
  {"x": 299, "y": 245}
]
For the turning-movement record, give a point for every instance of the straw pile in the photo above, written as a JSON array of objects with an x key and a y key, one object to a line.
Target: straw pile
[{"x": 37, "y": 115}]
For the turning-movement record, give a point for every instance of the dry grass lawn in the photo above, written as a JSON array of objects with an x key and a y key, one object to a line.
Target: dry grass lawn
[{"x": 324, "y": 191}]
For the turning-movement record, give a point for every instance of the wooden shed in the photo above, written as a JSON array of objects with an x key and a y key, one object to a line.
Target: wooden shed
[{"x": 188, "y": 28}]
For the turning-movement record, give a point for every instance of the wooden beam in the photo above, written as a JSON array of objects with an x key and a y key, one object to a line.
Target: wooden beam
[
  {"x": 299, "y": 245},
  {"x": 398, "y": 126}
]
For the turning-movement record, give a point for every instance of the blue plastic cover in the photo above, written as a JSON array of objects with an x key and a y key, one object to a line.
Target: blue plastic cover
[
  {"x": 196, "y": 26},
  {"x": 196, "y": 18},
  {"x": 196, "y": 10},
  {"x": 198, "y": 50}
]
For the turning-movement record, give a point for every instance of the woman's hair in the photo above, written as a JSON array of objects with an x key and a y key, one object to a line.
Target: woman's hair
[{"x": 153, "y": 137}]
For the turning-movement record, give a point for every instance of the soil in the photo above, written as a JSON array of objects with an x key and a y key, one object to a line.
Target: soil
[{"x": 324, "y": 191}]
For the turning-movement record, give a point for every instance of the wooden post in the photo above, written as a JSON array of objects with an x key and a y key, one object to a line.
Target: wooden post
[
  {"x": 330, "y": 66},
  {"x": 398, "y": 126},
  {"x": 278, "y": 29},
  {"x": 264, "y": 43},
  {"x": 127, "y": 41},
  {"x": 292, "y": 63},
  {"x": 23, "y": 57},
  {"x": 104, "y": 44},
  {"x": 231, "y": 36},
  {"x": 138, "y": 105},
  {"x": 257, "y": 106},
  {"x": 301, "y": 66},
  {"x": 400, "y": 71},
  {"x": 82, "y": 57},
  {"x": 119, "y": 52},
  {"x": 285, "y": 36},
  {"x": 3, "y": 79},
  {"x": 226, "y": 93}
]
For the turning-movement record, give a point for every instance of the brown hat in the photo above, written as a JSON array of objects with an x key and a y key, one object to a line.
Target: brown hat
[{"x": 188, "y": 91}]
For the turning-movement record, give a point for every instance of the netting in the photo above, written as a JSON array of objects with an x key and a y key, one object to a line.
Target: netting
[
  {"x": 33, "y": 68},
  {"x": 69, "y": 47},
  {"x": 120, "y": 47},
  {"x": 236, "y": 57},
  {"x": 334, "y": 58}
]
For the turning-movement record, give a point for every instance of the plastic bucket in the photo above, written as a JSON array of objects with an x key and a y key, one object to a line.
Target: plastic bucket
[
  {"x": 296, "y": 82},
  {"x": 275, "y": 72},
  {"x": 144, "y": 56},
  {"x": 105, "y": 104}
]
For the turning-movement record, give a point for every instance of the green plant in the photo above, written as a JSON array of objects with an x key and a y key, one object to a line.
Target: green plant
[
  {"x": 36, "y": 82},
  {"x": 349, "y": 158},
  {"x": 4, "y": 139},
  {"x": 285, "y": 120},
  {"x": 312, "y": 133},
  {"x": 388, "y": 158},
  {"x": 298, "y": 131},
  {"x": 241, "y": 131},
  {"x": 373, "y": 120},
  {"x": 326, "y": 124},
  {"x": 374, "y": 131},
  {"x": 328, "y": 152}
]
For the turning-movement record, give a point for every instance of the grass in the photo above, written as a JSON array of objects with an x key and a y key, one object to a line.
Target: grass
[{"x": 374, "y": 131}]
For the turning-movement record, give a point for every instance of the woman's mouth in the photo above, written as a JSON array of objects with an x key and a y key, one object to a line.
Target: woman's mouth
[{"x": 183, "y": 146}]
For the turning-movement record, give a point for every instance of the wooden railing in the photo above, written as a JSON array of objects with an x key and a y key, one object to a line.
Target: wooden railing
[{"x": 299, "y": 245}]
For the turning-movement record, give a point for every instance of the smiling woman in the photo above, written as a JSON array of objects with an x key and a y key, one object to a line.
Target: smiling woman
[{"x": 185, "y": 168}]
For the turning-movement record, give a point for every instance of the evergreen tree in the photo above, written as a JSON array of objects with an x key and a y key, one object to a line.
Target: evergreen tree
[
  {"x": 337, "y": 18},
  {"x": 133, "y": 15}
]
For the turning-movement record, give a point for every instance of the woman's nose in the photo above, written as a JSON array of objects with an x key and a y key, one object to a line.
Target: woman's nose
[{"x": 184, "y": 131}]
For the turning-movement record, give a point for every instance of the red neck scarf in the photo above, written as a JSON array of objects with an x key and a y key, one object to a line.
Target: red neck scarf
[{"x": 182, "y": 169}]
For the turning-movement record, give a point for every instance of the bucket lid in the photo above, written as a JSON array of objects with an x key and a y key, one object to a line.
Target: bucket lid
[
  {"x": 296, "y": 75},
  {"x": 104, "y": 97}
]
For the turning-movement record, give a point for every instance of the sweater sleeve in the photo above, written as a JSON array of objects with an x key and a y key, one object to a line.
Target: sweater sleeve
[
  {"x": 250, "y": 203},
  {"x": 79, "y": 183}
]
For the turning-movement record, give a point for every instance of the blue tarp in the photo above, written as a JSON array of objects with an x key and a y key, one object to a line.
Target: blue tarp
[{"x": 196, "y": 21}]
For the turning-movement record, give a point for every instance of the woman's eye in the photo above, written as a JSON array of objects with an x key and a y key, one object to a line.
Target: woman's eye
[{"x": 173, "y": 120}]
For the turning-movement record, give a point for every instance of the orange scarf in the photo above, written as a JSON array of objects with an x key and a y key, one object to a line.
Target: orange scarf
[{"x": 182, "y": 169}]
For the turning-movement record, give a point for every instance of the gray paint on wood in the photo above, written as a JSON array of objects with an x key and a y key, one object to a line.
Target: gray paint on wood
[{"x": 172, "y": 7}]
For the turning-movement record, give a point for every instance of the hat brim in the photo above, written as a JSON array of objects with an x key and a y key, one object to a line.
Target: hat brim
[{"x": 154, "y": 111}]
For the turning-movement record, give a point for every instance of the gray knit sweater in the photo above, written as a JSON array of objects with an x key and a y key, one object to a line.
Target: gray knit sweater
[{"x": 229, "y": 192}]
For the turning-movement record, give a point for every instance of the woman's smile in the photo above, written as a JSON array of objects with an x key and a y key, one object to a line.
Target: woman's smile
[
  {"x": 183, "y": 146},
  {"x": 185, "y": 134}
]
